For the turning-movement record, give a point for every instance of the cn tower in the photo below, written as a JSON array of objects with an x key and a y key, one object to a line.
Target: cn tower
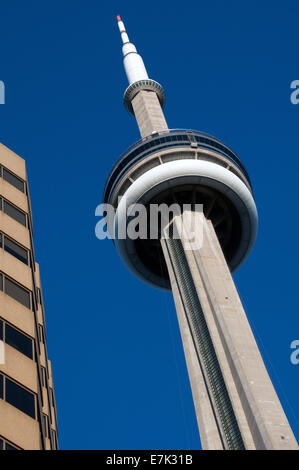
[{"x": 235, "y": 402}]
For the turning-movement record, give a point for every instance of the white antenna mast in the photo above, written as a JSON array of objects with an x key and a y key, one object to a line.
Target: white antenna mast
[{"x": 133, "y": 63}]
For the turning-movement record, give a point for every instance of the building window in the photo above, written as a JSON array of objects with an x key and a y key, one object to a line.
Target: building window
[
  {"x": 43, "y": 376},
  {"x": 13, "y": 179},
  {"x": 53, "y": 439},
  {"x": 51, "y": 397},
  {"x": 19, "y": 397},
  {"x": 46, "y": 425},
  {"x": 16, "y": 292},
  {"x": 38, "y": 295},
  {"x": 19, "y": 341},
  {"x": 10, "y": 447},
  {"x": 1, "y": 386},
  {"x": 4, "y": 445},
  {"x": 14, "y": 212},
  {"x": 14, "y": 249},
  {"x": 41, "y": 333}
]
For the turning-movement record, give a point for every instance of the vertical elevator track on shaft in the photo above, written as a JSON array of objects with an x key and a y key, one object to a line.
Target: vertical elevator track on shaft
[{"x": 209, "y": 363}]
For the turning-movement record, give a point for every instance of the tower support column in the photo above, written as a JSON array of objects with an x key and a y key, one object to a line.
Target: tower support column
[
  {"x": 235, "y": 402},
  {"x": 148, "y": 113}
]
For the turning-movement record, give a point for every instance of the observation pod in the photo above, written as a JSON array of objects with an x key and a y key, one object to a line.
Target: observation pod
[
  {"x": 175, "y": 166},
  {"x": 185, "y": 167}
]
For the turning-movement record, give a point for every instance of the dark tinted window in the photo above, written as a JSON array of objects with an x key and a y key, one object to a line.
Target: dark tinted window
[
  {"x": 1, "y": 386},
  {"x": 14, "y": 180},
  {"x": 18, "y": 341},
  {"x": 46, "y": 427},
  {"x": 15, "y": 213},
  {"x": 43, "y": 376},
  {"x": 4, "y": 445},
  {"x": 20, "y": 398},
  {"x": 15, "y": 250},
  {"x": 1, "y": 329},
  {"x": 1, "y": 282},
  {"x": 9, "y": 447},
  {"x": 51, "y": 397},
  {"x": 38, "y": 295},
  {"x": 17, "y": 292},
  {"x": 53, "y": 439},
  {"x": 41, "y": 333}
]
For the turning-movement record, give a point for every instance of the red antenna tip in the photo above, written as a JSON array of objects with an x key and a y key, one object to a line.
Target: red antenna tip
[{"x": 118, "y": 18}]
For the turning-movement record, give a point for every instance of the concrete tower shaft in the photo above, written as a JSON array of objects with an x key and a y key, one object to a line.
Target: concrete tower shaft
[{"x": 235, "y": 401}]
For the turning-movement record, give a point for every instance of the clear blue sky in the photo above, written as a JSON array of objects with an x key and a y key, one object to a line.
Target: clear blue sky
[{"x": 118, "y": 364}]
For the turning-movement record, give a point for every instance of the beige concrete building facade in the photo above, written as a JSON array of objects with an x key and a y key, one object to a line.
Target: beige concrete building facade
[{"x": 27, "y": 401}]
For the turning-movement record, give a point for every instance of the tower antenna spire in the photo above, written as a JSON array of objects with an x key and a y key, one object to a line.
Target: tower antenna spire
[
  {"x": 133, "y": 63},
  {"x": 144, "y": 97},
  {"x": 122, "y": 30}
]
